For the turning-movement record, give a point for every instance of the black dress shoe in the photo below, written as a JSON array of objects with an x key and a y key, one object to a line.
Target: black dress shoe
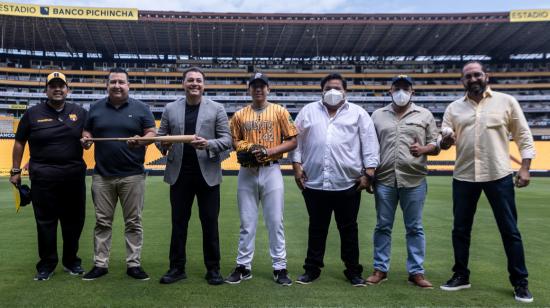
[
  {"x": 173, "y": 275},
  {"x": 95, "y": 273},
  {"x": 213, "y": 277},
  {"x": 137, "y": 272}
]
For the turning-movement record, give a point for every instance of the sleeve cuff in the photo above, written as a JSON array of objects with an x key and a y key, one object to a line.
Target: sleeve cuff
[
  {"x": 295, "y": 157},
  {"x": 371, "y": 163},
  {"x": 527, "y": 154}
]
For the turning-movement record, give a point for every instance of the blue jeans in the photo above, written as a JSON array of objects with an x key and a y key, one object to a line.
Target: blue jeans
[{"x": 412, "y": 202}]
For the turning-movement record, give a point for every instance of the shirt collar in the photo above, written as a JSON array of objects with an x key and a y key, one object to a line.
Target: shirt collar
[
  {"x": 412, "y": 108},
  {"x": 54, "y": 110},
  {"x": 108, "y": 103},
  {"x": 488, "y": 93},
  {"x": 200, "y": 103},
  {"x": 345, "y": 106}
]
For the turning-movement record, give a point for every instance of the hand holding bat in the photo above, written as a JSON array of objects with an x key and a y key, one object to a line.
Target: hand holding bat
[
  {"x": 199, "y": 143},
  {"x": 167, "y": 139}
]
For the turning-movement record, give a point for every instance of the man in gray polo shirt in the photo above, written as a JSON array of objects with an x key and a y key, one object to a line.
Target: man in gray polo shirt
[
  {"x": 407, "y": 133},
  {"x": 118, "y": 172}
]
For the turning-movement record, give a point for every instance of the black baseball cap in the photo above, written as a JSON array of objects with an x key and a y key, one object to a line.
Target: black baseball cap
[
  {"x": 24, "y": 194},
  {"x": 56, "y": 76},
  {"x": 258, "y": 76},
  {"x": 402, "y": 77}
]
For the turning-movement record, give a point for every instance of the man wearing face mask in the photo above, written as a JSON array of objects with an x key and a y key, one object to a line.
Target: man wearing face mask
[
  {"x": 335, "y": 160},
  {"x": 482, "y": 122},
  {"x": 407, "y": 133}
]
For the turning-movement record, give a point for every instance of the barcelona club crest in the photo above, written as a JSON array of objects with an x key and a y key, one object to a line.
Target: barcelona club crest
[
  {"x": 44, "y": 10},
  {"x": 73, "y": 117}
]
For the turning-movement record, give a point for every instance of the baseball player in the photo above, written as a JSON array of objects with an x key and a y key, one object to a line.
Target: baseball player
[{"x": 264, "y": 131}]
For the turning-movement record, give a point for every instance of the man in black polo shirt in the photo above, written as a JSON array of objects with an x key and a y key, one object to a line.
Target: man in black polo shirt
[
  {"x": 118, "y": 172},
  {"x": 57, "y": 172}
]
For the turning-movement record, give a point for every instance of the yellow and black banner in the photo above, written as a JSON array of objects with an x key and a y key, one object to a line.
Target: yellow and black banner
[
  {"x": 530, "y": 15},
  {"x": 58, "y": 11}
]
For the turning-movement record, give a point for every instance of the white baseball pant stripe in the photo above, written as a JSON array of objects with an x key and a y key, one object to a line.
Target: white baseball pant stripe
[{"x": 265, "y": 185}]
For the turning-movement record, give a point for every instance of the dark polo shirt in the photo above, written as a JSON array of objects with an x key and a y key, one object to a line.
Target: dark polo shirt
[
  {"x": 54, "y": 141},
  {"x": 115, "y": 158}
]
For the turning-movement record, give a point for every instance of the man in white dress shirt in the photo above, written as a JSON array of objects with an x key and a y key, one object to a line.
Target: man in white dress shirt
[{"x": 335, "y": 160}]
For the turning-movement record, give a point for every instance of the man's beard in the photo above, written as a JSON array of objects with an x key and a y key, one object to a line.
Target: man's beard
[{"x": 476, "y": 88}]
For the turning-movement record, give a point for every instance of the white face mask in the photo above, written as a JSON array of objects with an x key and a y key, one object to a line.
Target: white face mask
[
  {"x": 401, "y": 98},
  {"x": 333, "y": 97}
]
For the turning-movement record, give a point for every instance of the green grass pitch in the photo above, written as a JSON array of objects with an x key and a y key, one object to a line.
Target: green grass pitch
[{"x": 489, "y": 278}]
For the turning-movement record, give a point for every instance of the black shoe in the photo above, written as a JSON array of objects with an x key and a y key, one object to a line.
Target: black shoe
[
  {"x": 95, "y": 273},
  {"x": 239, "y": 273},
  {"x": 137, "y": 272},
  {"x": 74, "y": 270},
  {"x": 173, "y": 275},
  {"x": 355, "y": 279},
  {"x": 43, "y": 275},
  {"x": 306, "y": 278},
  {"x": 281, "y": 277},
  {"x": 456, "y": 283},
  {"x": 522, "y": 294},
  {"x": 213, "y": 277}
]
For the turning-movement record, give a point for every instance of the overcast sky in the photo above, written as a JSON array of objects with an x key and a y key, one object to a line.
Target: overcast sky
[{"x": 311, "y": 6}]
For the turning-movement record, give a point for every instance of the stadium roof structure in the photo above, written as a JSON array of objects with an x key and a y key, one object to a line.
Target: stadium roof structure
[{"x": 297, "y": 36}]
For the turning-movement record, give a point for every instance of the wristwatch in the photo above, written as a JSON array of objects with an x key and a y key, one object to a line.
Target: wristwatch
[{"x": 15, "y": 171}]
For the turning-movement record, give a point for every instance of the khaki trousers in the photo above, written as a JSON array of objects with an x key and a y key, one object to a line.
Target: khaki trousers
[{"x": 106, "y": 191}]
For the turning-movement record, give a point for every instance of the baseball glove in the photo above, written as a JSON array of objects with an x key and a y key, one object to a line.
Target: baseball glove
[{"x": 247, "y": 157}]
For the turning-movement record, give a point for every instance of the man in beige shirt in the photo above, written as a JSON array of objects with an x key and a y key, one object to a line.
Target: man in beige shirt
[
  {"x": 407, "y": 134},
  {"x": 480, "y": 124}
]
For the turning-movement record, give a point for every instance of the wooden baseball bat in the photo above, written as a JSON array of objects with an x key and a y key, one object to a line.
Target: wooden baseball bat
[{"x": 173, "y": 138}]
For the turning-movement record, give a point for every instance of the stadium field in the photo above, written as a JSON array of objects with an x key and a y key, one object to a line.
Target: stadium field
[{"x": 490, "y": 287}]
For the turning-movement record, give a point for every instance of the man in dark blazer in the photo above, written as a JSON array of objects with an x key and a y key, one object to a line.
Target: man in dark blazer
[{"x": 194, "y": 169}]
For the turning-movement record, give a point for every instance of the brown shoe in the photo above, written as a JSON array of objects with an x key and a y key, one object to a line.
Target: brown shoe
[
  {"x": 419, "y": 281},
  {"x": 377, "y": 277}
]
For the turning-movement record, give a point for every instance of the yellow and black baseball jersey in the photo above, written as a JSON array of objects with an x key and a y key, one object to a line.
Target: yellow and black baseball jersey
[{"x": 269, "y": 127}]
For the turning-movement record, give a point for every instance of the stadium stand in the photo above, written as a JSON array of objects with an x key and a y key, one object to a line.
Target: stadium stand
[{"x": 296, "y": 50}]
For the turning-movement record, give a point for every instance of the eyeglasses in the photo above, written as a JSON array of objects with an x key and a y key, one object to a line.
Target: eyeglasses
[{"x": 476, "y": 75}]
